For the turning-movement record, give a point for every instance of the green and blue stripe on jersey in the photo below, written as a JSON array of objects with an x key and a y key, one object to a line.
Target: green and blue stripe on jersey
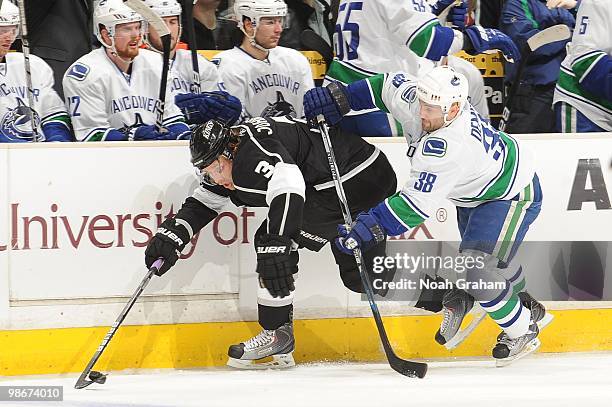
[
  {"x": 57, "y": 126},
  {"x": 587, "y": 80},
  {"x": 431, "y": 40}
]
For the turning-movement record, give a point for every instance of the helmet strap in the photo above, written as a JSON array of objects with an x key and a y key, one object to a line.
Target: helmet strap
[
  {"x": 446, "y": 120},
  {"x": 252, "y": 40}
]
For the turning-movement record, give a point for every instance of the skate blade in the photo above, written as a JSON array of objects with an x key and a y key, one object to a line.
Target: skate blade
[
  {"x": 281, "y": 361},
  {"x": 529, "y": 349},
  {"x": 478, "y": 315}
]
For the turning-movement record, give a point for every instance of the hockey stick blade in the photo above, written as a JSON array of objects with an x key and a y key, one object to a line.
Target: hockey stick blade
[
  {"x": 552, "y": 34},
  {"x": 89, "y": 376},
  {"x": 313, "y": 41},
  {"x": 407, "y": 367}
]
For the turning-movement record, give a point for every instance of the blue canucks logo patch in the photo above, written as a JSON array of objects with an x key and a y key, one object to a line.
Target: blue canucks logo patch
[
  {"x": 435, "y": 147},
  {"x": 78, "y": 71},
  {"x": 16, "y": 124},
  {"x": 409, "y": 95},
  {"x": 216, "y": 61},
  {"x": 455, "y": 81}
]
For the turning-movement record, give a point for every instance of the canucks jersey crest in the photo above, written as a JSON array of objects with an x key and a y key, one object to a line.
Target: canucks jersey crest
[
  {"x": 279, "y": 108},
  {"x": 16, "y": 124}
]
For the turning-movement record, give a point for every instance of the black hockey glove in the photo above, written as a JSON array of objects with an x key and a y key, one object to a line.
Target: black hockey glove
[
  {"x": 168, "y": 243},
  {"x": 276, "y": 264}
]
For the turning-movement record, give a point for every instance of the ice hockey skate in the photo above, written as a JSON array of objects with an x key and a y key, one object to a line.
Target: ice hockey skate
[
  {"x": 270, "y": 349},
  {"x": 509, "y": 350},
  {"x": 538, "y": 311},
  {"x": 457, "y": 305}
]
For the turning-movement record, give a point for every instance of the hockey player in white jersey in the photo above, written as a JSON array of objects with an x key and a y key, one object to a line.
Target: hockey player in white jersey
[
  {"x": 458, "y": 155},
  {"x": 112, "y": 92},
  {"x": 394, "y": 35},
  {"x": 210, "y": 102},
  {"x": 49, "y": 113},
  {"x": 269, "y": 80},
  {"x": 583, "y": 95},
  {"x": 181, "y": 66}
]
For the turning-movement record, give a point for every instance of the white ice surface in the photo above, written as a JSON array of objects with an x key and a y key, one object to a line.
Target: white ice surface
[{"x": 559, "y": 380}]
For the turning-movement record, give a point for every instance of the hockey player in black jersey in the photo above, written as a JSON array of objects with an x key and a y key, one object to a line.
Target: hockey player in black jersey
[{"x": 279, "y": 163}]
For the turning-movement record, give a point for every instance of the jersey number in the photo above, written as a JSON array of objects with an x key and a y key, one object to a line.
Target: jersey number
[
  {"x": 584, "y": 22},
  {"x": 73, "y": 105},
  {"x": 352, "y": 29},
  {"x": 425, "y": 182},
  {"x": 264, "y": 168},
  {"x": 418, "y": 5}
]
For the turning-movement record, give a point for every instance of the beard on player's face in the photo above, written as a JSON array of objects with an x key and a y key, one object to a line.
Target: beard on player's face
[
  {"x": 128, "y": 49},
  {"x": 432, "y": 117},
  {"x": 127, "y": 39}
]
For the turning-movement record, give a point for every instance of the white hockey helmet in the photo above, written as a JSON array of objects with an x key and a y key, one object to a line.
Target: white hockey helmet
[
  {"x": 165, "y": 8},
  {"x": 256, "y": 9},
  {"x": 443, "y": 86},
  {"x": 9, "y": 14},
  {"x": 110, "y": 13}
]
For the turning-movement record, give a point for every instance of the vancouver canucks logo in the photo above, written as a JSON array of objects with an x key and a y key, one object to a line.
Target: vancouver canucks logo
[
  {"x": 279, "y": 108},
  {"x": 127, "y": 128},
  {"x": 455, "y": 81},
  {"x": 16, "y": 124}
]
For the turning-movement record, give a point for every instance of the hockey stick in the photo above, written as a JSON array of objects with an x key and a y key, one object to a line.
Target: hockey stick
[
  {"x": 26, "y": 64},
  {"x": 552, "y": 34},
  {"x": 402, "y": 366},
  {"x": 97, "y": 377},
  {"x": 164, "y": 34},
  {"x": 191, "y": 42}
]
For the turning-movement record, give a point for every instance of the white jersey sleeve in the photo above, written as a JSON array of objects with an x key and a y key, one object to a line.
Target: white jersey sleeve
[
  {"x": 394, "y": 93},
  {"x": 232, "y": 81},
  {"x": 50, "y": 105}
]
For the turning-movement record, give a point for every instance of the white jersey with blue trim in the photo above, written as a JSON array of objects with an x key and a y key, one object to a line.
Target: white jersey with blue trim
[
  {"x": 589, "y": 46},
  {"x": 395, "y": 34},
  {"x": 100, "y": 97},
  {"x": 268, "y": 88},
  {"x": 467, "y": 161},
  {"x": 14, "y": 93},
  {"x": 182, "y": 72}
]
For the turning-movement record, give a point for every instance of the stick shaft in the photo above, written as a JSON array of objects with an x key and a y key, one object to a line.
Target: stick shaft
[
  {"x": 28, "y": 73},
  {"x": 126, "y": 309},
  {"x": 191, "y": 42}
]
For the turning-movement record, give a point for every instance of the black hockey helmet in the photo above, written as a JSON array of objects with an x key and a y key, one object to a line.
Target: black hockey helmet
[{"x": 208, "y": 142}]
